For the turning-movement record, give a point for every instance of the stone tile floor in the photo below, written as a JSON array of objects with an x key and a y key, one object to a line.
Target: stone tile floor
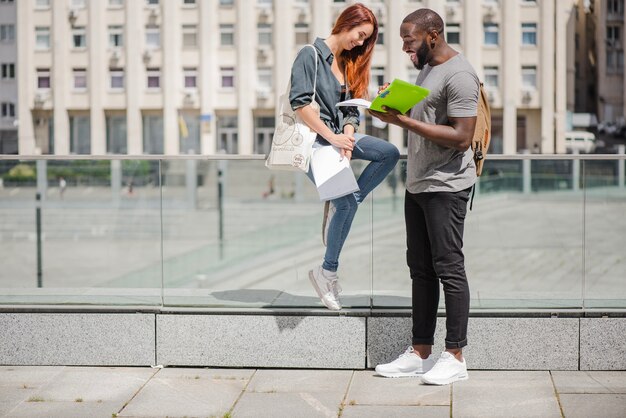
[{"x": 38, "y": 391}]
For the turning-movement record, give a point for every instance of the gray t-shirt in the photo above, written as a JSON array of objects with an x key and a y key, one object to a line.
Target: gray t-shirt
[{"x": 454, "y": 90}]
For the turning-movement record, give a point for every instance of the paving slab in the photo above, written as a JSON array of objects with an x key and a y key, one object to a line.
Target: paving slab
[
  {"x": 505, "y": 394},
  {"x": 188, "y": 392},
  {"x": 64, "y": 409},
  {"x": 596, "y": 405},
  {"x": 287, "y": 405},
  {"x": 271, "y": 381},
  {"x": 93, "y": 384},
  {"x": 367, "y": 388},
  {"x": 589, "y": 382},
  {"x": 374, "y": 411}
]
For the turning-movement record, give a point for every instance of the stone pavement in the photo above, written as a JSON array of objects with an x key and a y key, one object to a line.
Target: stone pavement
[{"x": 202, "y": 392}]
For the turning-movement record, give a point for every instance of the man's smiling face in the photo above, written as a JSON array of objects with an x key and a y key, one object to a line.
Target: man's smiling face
[{"x": 415, "y": 43}]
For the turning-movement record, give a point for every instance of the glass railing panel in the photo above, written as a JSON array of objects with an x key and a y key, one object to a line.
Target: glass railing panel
[
  {"x": 523, "y": 247},
  {"x": 98, "y": 223},
  {"x": 239, "y": 235},
  {"x": 605, "y": 240}
]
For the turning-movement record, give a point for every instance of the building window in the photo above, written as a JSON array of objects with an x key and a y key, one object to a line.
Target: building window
[
  {"x": 80, "y": 79},
  {"x": 190, "y": 78},
  {"x": 80, "y": 134},
  {"x": 154, "y": 78},
  {"x": 614, "y": 49},
  {"x": 153, "y": 37},
  {"x": 491, "y": 77},
  {"x": 152, "y": 3},
  {"x": 265, "y": 33},
  {"x": 190, "y": 36},
  {"x": 227, "y": 2},
  {"x": 453, "y": 33},
  {"x": 381, "y": 35},
  {"x": 43, "y": 79},
  {"x": 265, "y": 78},
  {"x": 79, "y": 37},
  {"x": 189, "y": 3},
  {"x": 116, "y": 37},
  {"x": 615, "y": 7},
  {"x": 152, "y": 134},
  {"x": 529, "y": 77},
  {"x": 529, "y": 34},
  {"x": 377, "y": 79},
  {"x": 78, "y": 4},
  {"x": 42, "y": 4},
  {"x": 117, "y": 79},
  {"x": 7, "y": 33},
  {"x": 227, "y": 134},
  {"x": 8, "y": 110},
  {"x": 42, "y": 37},
  {"x": 263, "y": 133},
  {"x": 116, "y": 3},
  {"x": 228, "y": 77},
  {"x": 8, "y": 71},
  {"x": 302, "y": 33},
  {"x": 491, "y": 33},
  {"x": 116, "y": 134},
  {"x": 227, "y": 35},
  {"x": 264, "y": 3}
]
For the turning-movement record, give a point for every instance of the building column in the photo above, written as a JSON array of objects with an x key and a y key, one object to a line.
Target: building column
[
  {"x": 245, "y": 76},
  {"x": 134, "y": 76},
  {"x": 397, "y": 60},
  {"x": 25, "y": 79},
  {"x": 510, "y": 74},
  {"x": 560, "y": 47},
  {"x": 171, "y": 75},
  {"x": 321, "y": 22},
  {"x": 208, "y": 73},
  {"x": 548, "y": 77},
  {"x": 97, "y": 75},
  {"x": 60, "y": 33},
  {"x": 472, "y": 45}
]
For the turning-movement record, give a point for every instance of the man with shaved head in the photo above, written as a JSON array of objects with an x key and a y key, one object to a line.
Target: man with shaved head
[{"x": 440, "y": 175}]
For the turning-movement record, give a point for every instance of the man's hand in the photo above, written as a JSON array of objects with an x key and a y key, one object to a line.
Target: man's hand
[{"x": 390, "y": 116}]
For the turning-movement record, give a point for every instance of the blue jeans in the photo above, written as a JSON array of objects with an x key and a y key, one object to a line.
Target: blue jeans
[{"x": 383, "y": 157}]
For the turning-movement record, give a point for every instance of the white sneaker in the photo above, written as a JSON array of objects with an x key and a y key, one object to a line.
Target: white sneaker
[
  {"x": 329, "y": 212},
  {"x": 409, "y": 364},
  {"x": 325, "y": 284},
  {"x": 447, "y": 370}
]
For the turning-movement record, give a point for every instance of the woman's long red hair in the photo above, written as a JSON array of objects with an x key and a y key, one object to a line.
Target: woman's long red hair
[{"x": 357, "y": 60}]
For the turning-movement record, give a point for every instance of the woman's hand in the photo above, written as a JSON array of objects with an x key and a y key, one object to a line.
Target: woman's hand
[{"x": 342, "y": 141}]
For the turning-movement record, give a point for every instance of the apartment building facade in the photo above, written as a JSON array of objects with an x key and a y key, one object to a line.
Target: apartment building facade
[
  {"x": 8, "y": 77},
  {"x": 202, "y": 76}
]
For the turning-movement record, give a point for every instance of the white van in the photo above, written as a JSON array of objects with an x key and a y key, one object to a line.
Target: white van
[{"x": 581, "y": 141}]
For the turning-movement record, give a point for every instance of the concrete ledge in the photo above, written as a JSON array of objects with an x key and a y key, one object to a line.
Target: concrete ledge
[
  {"x": 77, "y": 339},
  {"x": 349, "y": 340},
  {"x": 603, "y": 344},
  {"x": 494, "y": 343},
  {"x": 335, "y": 342}
]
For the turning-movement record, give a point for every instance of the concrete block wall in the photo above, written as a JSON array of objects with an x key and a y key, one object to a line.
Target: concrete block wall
[{"x": 350, "y": 340}]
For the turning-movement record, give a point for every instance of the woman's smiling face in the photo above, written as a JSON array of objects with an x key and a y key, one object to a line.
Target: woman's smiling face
[{"x": 357, "y": 36}]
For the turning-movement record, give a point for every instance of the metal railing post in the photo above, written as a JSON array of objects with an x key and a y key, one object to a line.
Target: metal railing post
[
  {"x": 575, "y": 173},
  {"x": 621, "y": 171},
  {"x": 38, "y": 224}
]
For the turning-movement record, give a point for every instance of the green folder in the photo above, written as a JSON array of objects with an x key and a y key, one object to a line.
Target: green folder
[{"x": 399, "y": 95}]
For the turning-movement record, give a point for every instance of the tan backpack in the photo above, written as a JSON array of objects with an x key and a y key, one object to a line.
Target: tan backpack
[{"x": 482, "y": 132}]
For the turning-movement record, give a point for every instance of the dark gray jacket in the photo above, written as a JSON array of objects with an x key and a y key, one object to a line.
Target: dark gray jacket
[{"x": 328, "y": 89}]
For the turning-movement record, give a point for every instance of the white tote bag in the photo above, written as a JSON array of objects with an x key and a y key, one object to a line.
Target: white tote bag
[{"x": 292, "y": 144}]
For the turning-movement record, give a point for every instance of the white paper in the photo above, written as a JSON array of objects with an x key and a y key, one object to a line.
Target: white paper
[
  {"x": 355, "y": 102},
  {"x": 333, "y": 175}
]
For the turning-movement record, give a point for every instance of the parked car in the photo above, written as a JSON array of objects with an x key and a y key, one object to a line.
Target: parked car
[{"x": 581, "y": 141}]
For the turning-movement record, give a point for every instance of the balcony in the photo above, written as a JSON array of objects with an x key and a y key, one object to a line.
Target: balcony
[{"x": 175, "y": 250}]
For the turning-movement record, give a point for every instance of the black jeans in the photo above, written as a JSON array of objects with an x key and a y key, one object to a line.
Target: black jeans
[{"x": 434, "y": 229}]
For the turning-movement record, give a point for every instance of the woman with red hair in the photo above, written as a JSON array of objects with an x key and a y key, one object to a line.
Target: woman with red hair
[{"x": 339, "y": 69}]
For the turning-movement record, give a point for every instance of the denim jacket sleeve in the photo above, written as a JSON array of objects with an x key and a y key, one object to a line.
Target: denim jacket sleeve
[{"x": 302, "y": 78}]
